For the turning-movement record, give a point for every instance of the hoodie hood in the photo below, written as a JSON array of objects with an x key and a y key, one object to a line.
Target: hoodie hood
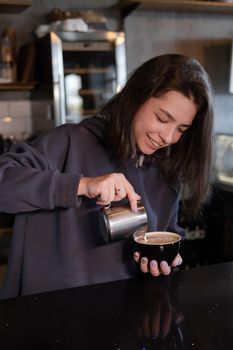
[{"x": 96, "y": 125}]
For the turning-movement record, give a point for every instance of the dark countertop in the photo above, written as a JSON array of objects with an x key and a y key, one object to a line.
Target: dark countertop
[{"x": 190, "y": 309}]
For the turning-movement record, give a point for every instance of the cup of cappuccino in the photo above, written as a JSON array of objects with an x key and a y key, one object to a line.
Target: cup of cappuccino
[{"x": 158, "y": 245}]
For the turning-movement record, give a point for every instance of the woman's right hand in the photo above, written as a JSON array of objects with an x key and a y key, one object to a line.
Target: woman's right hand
[{"x": 108, "y": 188}]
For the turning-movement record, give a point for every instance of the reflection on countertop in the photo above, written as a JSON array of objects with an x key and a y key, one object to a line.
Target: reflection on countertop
[
  {"x": 190, "y": 309},
  {"x": 6, "y": 229}
]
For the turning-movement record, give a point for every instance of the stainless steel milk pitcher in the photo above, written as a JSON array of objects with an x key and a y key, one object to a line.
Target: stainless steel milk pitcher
[{"x": 120, "y": 222}]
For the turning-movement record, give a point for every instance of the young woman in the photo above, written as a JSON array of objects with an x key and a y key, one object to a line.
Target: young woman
[{"x": 149, "y": 142}]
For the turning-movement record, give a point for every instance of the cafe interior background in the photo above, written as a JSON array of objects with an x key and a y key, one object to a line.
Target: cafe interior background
[{"x": 204, "y": 31}]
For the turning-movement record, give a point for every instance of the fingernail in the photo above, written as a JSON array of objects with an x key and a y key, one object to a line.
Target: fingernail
[
  {"x": 144, "y": 260},
  {"x": 163, "y": 264},
  {"x": 153, "y": 263}
]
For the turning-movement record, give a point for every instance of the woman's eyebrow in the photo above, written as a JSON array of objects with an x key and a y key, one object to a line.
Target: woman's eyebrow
[
  {"x": 172, "y": 118},
  {"x": 167, "y": 113}
]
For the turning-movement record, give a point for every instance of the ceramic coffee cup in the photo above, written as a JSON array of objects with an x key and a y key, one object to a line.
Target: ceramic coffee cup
[{"x": 158, "y": 245}]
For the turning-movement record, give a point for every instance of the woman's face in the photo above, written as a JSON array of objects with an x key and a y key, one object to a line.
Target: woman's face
[{"x": 161, "y": 121}]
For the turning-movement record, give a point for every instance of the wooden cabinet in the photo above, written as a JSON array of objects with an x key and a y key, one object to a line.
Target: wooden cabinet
[
  {"x": 184, "y": 5},
  {"x": 13, "y": 6}
]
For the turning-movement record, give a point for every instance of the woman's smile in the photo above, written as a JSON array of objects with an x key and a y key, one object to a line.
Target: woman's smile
[{"x": 154, "y": 143}]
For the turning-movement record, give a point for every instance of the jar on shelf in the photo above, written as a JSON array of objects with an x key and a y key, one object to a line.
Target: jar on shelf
[{"x": 8, "y": 56}]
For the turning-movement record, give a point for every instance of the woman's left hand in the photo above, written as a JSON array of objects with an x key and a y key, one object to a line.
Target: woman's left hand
[{"x": 153, "y": 267}]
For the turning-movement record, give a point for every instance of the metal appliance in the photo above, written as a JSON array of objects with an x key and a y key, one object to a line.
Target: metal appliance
[{"x": 77, "y": 72}]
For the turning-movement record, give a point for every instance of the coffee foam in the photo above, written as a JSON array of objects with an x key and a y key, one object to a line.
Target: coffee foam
[{"x": 158, "y": 238}]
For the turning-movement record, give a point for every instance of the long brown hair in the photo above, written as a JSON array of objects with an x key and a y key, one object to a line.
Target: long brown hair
[{"x": 189, "y": 159}]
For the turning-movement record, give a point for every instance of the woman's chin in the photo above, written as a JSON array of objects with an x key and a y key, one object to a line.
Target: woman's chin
[{"x": 148, "y": 150}]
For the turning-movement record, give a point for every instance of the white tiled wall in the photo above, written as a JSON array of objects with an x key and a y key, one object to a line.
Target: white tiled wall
[{"x": 21, "y": 124}]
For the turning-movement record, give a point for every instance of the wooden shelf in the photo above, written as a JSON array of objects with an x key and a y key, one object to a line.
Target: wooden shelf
[
  {"x": 180, "y": 5},
  {"x": 14, "y": 6},
  {"x": 89, "y": 92},
  {"x": 87, "y": 70},
  {"x": 17, "y": 86}
]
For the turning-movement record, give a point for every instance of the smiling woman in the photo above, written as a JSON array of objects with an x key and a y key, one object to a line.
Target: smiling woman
[
  {"x": 151, "y": 139},
  {"x": 179, "y": 88}
]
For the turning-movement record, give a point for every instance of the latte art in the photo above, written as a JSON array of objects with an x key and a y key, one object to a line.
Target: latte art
[{"x": 158, "y": 238}]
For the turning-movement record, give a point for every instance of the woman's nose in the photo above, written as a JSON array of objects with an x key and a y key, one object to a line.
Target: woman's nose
[{"x": 167, "y": 136}]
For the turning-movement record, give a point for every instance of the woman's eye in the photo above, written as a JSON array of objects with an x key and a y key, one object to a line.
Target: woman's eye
[
  {"x": 182, "y": 130},
  {"x": 161, "y": 119}
]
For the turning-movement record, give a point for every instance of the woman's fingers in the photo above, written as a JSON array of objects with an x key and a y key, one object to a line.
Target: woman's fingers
[
  {"x": 132, "y": 196},
  {"x": 136, "y": 257},
  {"x": 108, "y": 188},
  {"x": 177, "y": 261},
  {"x": 153, "y": 267},
  {"x": 165, "y": 268},
  {"x": 120, "y": 193}
]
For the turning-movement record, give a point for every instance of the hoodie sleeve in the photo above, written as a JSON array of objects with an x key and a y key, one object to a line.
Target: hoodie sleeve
[{"x": 32, "y": 176}]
